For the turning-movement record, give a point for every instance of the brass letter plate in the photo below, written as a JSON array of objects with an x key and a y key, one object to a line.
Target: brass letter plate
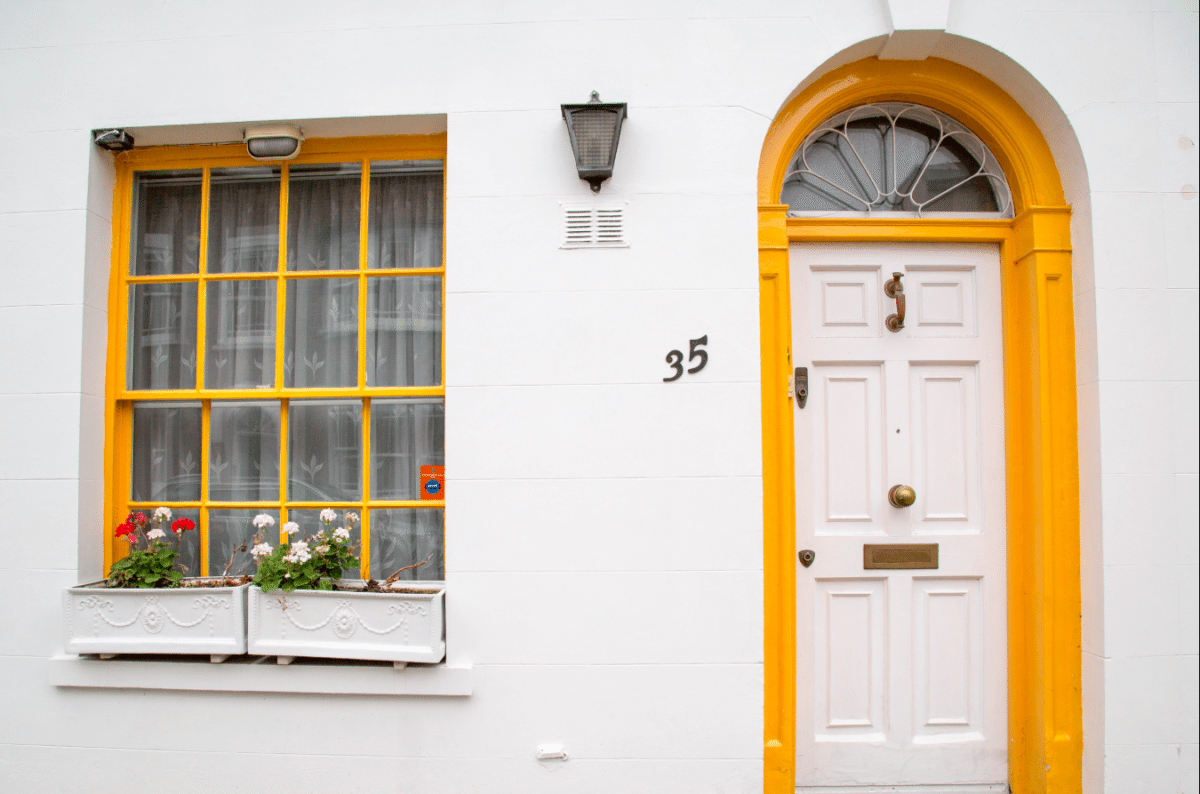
[{"x": 900, "y": 555}]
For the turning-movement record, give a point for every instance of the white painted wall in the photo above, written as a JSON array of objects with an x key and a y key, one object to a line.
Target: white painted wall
[{"x": 627, "y": 511}]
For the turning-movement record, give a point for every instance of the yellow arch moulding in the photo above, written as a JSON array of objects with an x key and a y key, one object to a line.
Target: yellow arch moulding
[{"x": 1044, "y": 697}]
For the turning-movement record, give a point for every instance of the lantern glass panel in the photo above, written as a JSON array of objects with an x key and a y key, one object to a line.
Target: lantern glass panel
[{"x": 594, "y": 132}]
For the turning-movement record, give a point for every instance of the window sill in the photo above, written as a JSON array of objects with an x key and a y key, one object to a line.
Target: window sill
[{"x": 260, "y": 674}]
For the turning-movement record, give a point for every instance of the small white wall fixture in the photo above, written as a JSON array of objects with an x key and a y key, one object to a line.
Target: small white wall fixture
[
  {"x": 402, "y": 626},
  {"x": 183, "y": 620}
]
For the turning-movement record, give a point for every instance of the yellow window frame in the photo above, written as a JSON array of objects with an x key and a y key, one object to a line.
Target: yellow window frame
[{"x": 119, "y": 399}]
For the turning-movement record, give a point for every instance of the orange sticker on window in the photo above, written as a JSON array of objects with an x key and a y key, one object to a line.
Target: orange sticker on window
[{"x": 433, "y": 482}]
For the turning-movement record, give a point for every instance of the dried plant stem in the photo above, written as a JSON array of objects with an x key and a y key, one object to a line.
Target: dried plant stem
[
  {"x": 399, "y": 571},
  {"x": 233, "y": 554}
]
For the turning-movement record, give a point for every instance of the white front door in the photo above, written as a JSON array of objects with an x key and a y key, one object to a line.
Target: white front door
[{"x": 901, "y": 671}]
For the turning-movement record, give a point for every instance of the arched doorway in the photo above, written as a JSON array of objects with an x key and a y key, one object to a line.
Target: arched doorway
[{"x": 1039, "y": 405}]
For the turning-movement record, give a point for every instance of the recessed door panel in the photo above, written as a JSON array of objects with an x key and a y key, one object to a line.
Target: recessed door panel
[
  {"x": 848, "y": 454},
  {"x": 850, "y": 641},
  {"x": 943, "y": 301},
  {"x": 945, "y": 447},
  {"x": 948, "y": 696},
  {"x": 845, "y": 302}
]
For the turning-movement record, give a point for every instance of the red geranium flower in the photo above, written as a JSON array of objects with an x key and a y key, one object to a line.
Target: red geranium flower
[
  {"x": 183, "y": 525},
  {"x": 125, "y": 529}
]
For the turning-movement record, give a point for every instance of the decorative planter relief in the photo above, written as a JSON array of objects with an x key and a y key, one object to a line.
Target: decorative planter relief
[
  {"x": 200, "y": 620},
  {"x": 350, "y": 624}
]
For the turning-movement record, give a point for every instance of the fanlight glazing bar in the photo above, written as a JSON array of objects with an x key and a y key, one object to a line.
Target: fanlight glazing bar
[{"x": 895, "y": 157}]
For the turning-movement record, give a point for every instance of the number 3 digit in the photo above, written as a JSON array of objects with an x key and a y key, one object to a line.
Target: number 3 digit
[
  {"x": 675, "y": 359},
  {"x": 693, "y": 353}
]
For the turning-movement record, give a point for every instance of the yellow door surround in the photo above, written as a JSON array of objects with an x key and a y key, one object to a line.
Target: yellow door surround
[{"x": 1044, "y": 697}]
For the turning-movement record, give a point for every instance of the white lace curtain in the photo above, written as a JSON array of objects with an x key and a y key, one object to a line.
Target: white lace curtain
[
  {"x": 321, "y": 346},
  {"x": 404, "y": 312}
]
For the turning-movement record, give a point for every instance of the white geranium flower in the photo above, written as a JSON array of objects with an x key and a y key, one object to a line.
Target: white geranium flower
[
  {"x": 262, "y": 520},
  {"x": 261, "y": 551},
  {"x": 298, "y": 553},
  {"x": 351, "y": 518},
  {"x": 162, "y": 514},
  {"x": 328, "y": 515},
  {"x": 342, "y": 533},
  {"x": 155, "y": 534},
  {"x": 291, "y": 527},
  {"x": 322, "y": 550}
]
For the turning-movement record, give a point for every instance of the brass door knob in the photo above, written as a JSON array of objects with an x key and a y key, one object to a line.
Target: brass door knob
[{"x": 902, "y": 496}]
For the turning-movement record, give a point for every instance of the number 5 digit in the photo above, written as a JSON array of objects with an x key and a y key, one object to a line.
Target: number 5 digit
[
  {"x": 675, "y": 359},
  {"x": 697, "y": 350}
]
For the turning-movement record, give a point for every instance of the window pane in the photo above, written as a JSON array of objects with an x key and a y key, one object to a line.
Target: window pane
[
  {"x": 323, "y": 216},
  {"x": 405, "y": 435},
  {"x": 166, "y": 452},
  {"x": 243, "y": 452},
  {"x": 189, "y": 542},
  {"x": 405, "y": 537},
  {"x": 324, "y": 438},
  {"x": 243, "y": 220},
  {"x": 321, "y": 333},
  {"x": 241, "y": 334},
  {"x": 165, "y": 238},
  {"x": 404, "y": 331},
  {"x": 228, "y": 532},
  {"x": 310, "y": 524},
  {"x": 162, "y": 336},
  {"x": 404, "y": 228}
]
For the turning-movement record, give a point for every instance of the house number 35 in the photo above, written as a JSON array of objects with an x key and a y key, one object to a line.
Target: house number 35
[{"x": 695, "y": 351}]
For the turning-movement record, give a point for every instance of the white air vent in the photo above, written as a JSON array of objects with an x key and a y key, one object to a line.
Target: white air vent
[{"x": 594, "y": 226}]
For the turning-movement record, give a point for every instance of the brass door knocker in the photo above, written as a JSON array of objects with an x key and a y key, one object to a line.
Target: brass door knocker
[{"x": 893, "y": 288}]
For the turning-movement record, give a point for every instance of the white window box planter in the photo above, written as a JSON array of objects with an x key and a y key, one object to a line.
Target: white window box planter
[
  {"x": 345, "y": 624},
  {"x": 199, "y": 620}
]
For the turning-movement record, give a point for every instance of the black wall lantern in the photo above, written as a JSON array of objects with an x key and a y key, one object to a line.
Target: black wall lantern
[{"x": 595, "y": 129}]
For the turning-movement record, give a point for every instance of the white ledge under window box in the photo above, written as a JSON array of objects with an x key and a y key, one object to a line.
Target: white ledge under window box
[{"x": 261, "y": 674}]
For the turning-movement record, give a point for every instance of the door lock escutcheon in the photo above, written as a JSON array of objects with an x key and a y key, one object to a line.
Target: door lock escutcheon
[
  {"x": 801, "y": 381},
  {"x": 807, "y": 556}
]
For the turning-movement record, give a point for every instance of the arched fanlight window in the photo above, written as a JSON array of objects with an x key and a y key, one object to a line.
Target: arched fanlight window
[{"x": 895, "y": 157}]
